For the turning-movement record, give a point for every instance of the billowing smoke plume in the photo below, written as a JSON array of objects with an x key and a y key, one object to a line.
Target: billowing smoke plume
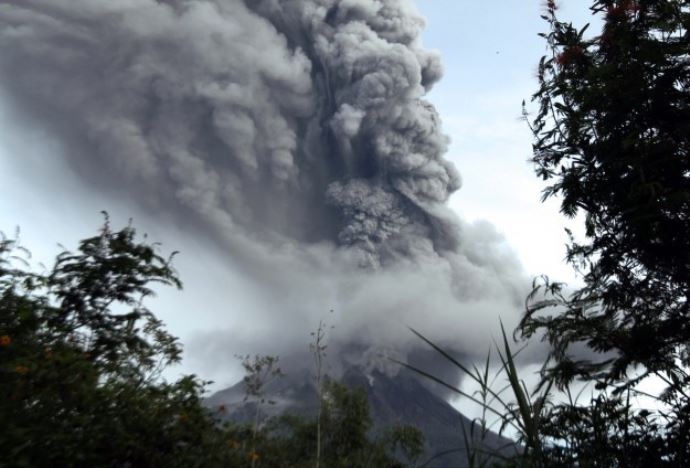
[{"x": 294, "y": 132}]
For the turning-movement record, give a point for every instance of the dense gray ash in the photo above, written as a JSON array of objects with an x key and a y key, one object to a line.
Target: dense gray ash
[{"x": 294, "y": 132}]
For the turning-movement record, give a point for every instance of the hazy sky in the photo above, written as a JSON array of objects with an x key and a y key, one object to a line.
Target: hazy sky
[
  {"x": 489, "y": 50},
  {"x": 490, "y": 53}
]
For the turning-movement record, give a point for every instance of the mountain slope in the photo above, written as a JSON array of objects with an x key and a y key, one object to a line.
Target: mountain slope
[{"x": 393, "y": 400}]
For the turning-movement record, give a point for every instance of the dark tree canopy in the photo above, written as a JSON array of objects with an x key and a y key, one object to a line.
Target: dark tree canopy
[
  {"x": 80, "y": 362},
  {"x": 612, "y": 135}
]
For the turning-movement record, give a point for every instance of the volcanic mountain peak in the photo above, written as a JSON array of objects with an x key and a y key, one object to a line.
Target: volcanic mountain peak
[{"x": 394, "y": 399}]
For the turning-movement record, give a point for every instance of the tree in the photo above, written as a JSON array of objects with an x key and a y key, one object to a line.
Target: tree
[
  {"x": 260, "y": 371},
  {"x": 318, "y": 348},
  {"x": 612, "y": 135},
  {"x": 80, "y": 363}
]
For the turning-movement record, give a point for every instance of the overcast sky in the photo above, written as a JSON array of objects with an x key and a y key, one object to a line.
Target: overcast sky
[{"x": 489, "y": 50}]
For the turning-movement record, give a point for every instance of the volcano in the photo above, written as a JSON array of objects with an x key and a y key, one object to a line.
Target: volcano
[{"x": 400, "y": 399}]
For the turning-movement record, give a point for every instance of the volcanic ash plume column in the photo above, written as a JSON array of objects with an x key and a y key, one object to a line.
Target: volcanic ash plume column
[
  {"x": 261, "y": 115},
  {"x": 294, "y": 131},
  {"x": 383, "y": 141}
]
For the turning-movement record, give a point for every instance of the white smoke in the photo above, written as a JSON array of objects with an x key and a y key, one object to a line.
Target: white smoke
[{"x": 295, "y": 132}]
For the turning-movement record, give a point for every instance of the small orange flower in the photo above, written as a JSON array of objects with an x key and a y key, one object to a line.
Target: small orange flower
[
  {"x": 569, "y": 55},
  {"x": 234, "y": 444},
  {"x": 5, "y": 340},
  {"x": 253, "y": 456},
  {"x": 21, "y": 370}
]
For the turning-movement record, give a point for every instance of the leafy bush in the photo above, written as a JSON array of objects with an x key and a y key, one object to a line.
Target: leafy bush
[{"x": 80, "y": 363}]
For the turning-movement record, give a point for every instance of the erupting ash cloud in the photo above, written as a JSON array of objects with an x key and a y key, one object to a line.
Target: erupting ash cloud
[{"x": 295, "y": 132}]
